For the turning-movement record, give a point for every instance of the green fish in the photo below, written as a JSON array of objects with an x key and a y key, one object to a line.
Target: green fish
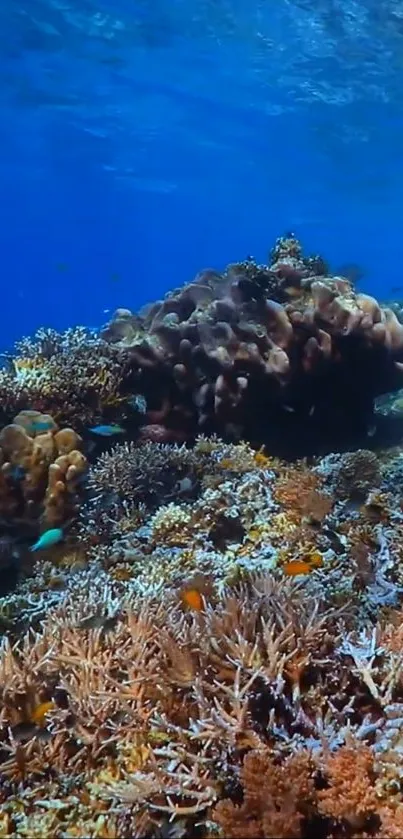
[
  {"x": 107, "y": 430},
  {"x": 49, "y": 538}
]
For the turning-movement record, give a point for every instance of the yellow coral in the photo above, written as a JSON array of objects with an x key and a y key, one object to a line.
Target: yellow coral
[
  {"x": 42, "y": 465},
  {"x": 171, "y": 523}
]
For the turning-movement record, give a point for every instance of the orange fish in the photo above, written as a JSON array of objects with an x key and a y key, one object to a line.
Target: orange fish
[
  {"x": 194, "y": 592},
  {"x": 192, "y": 599},
  {"x": 297, "y": 566},
  {"x": 312, "y": 560},
  {"x": 39, "y": 713}
]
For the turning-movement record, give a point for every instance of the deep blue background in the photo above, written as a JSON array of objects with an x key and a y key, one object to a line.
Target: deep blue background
[{"x": 141, "y": 141}]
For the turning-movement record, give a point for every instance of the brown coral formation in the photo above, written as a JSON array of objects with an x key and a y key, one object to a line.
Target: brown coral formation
[
  {"x": 337, "y": 794},
  {"x": 40, "y": 471},
  {"x": 276, "y": 798},
  {"x": 258, "y": 349},
  {"x": 283, "y": 354}
]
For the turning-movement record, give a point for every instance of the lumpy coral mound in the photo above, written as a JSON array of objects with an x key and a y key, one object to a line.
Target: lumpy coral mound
[
  {"x": 283, "y": 354},
  {"x": 40, "y": 469},
  {"x": 260, "y": 351}
]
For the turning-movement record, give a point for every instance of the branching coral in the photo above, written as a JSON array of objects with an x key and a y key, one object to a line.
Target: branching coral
[
  {"x": 130, "y": 705},
  {"x": 300, "y": 491},
  {"x": 276, "y": 798},
  {"x": 302, "y": 797},
  {"x": 150, "y": 705},
  {"x": 72, "y": 375},
  {"x": 132, "y": 481},
  {"x": 163, "y": 514},
  {"x": 352, "y": 474}
]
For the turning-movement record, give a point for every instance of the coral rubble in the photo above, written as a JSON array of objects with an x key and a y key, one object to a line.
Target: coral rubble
[{"x": 216, "y": 648}]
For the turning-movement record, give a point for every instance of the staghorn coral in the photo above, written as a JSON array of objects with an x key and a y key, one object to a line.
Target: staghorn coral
[
  {"x": 120, "y": 710},
  {"x": 40, "y": 470},
  {"x": 161, "y": 662},
  {"x": 72, "y": 375}
]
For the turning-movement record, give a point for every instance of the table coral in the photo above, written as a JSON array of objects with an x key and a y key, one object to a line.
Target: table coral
[{"x": 40, "y": 471}]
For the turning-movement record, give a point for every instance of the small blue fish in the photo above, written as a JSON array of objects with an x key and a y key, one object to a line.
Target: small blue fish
[
  {"x": 49, "y": 538},
  {"x": 17, "y": 473},
  {"x": 41, "y": 425},
  {"x": 107, "y": 430}
]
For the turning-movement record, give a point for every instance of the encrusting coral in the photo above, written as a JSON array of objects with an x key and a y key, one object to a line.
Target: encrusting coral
[{"x": 216, "y": 649}]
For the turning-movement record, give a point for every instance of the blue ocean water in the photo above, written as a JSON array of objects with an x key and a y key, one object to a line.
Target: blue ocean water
[{"x": 143, "y": 140}]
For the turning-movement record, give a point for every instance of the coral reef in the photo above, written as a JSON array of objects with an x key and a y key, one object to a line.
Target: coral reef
[
  {"x": 121, "y": 711},
  {"x": 182, "y": 673},
  {"x": 282, "y": 354},
  {"x": 215, "y": 647}
]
